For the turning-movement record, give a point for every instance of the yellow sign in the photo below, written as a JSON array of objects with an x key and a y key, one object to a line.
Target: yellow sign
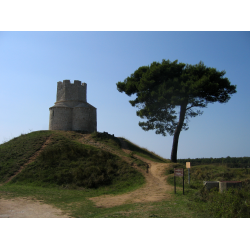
[{"x": 188, "y": 165}]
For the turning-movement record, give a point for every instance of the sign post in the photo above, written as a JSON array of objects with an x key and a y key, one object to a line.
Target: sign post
[
  {"x": 188, "y": 166},
  {"x": 179, "y": 172},
  {"x": 174, "y": 184}
]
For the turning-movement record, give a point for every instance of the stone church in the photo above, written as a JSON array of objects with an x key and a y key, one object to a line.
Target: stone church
[{"x": 71, "y": 110}]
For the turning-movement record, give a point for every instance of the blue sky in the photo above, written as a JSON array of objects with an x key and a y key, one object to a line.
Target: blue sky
[{"x": 32, "y": 63}]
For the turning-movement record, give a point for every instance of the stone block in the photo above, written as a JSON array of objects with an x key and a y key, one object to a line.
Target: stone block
[
  {"x": 211, "y": 184},
  {"x": 225, "y": 185}
]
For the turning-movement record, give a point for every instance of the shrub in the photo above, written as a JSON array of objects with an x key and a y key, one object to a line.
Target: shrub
[
  {"x": 68, "y": 163},
  {"x": 230, "y": 204}
]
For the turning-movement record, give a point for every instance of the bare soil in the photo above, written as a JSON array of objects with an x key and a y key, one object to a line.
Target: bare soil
[
  {"x": 27, "y": 208},
  {"x": 155, "y": 189}
]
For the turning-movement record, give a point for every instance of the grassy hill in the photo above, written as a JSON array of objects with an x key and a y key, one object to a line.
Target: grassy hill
[
  {"x": 72, "y": 160},
  {"x": 66, "y": 162},
  {"x": 65, "y": 169}
]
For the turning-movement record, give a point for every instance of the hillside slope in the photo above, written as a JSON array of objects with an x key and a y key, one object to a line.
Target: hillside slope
[
  {"x": 71, "y": 160},
  {"x": 152, "y": 167}
]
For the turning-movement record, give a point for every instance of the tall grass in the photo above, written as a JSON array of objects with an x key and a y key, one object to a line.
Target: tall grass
[
  {"x": 70, "y": 164},
  {"x": 234, "y": 203},
  {"x": 231, "y": 204},
  {"x": 16, "y": 152},
  {"x": 144, "y": 152},
  {"x": 109, "y": 140}
]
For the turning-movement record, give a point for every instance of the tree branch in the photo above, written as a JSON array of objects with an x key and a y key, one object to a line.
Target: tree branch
[{"x": 190, "y": 107}]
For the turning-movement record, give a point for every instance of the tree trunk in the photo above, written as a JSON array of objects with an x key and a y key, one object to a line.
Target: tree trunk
[{"x": 177, "y": 132}]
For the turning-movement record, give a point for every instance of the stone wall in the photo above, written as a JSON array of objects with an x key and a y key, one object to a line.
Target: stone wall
[
  {"x": 67, "y": 91},
  {"x": 60, "y": 118},
  {"x": 222, "y": 185},
  {"x": 84, "y": 118}
]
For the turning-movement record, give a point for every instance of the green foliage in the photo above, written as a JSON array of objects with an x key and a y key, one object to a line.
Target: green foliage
[
  {"x": 107, "y": 139},
  {"x": 234, "y": 203},
  {"x": 16, "y": 152},
  {"x": 71, "y": 164},
  {"x": 143, "y": 152},
  {"x": 229, "y": 204},
  {"x": 160, "y": 87},
  {"x": 231, "y": 162},
  {"x": 132, "y": 154}
]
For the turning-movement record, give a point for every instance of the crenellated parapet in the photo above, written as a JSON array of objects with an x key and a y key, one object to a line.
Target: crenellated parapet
[
  {"x": 68, "y": 83},
  {"x": 67, "y": 91}
]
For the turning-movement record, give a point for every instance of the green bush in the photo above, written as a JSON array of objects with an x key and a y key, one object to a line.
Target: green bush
[
  {"x": 233, "y": 203},
  {"x": 106, "y": 138},
  {"x": 67, "y": 163},
  {"x": 16, "y": 152},
  {"x": 229, "y": 204},
  {"x": 201, "y": 195}
]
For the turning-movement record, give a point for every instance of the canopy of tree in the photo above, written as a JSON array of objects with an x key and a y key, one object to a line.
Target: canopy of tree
[{"x": 162, "y": 87}]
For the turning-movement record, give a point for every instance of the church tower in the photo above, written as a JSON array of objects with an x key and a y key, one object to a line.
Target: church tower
[{"x": 71, "y": 110}]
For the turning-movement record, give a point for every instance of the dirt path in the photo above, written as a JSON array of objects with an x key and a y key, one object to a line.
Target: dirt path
[
  {"x": 27, "y": 208},
  {"x": 155, "y": 189}
]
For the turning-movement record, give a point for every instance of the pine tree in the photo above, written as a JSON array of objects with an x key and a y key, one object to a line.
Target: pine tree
[{"x": 161, "y": 88}]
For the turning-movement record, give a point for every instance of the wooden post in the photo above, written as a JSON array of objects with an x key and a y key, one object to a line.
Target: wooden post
[
  {"x": 174, "y": 185},
  {"x": 179, "y": 172},
  {"x": 188, "y": 166},
  {"x": 183, "y": 181}
]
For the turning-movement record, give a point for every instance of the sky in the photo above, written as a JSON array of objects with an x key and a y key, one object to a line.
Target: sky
[{"x": 33, "y": 62}]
